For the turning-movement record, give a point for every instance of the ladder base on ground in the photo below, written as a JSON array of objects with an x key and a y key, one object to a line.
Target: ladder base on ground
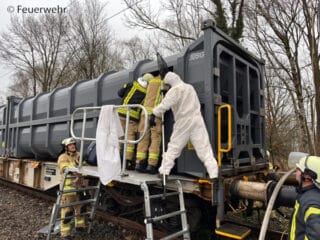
[
  {"x": 150, "y": 219},
  {"x": 55, "y": 230},
  {"x": 53, "y": 227},
  {"x": 233, "y": 231}
]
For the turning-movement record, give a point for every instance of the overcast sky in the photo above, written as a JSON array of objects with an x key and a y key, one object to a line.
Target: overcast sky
[{"x": 9, "y": 7}]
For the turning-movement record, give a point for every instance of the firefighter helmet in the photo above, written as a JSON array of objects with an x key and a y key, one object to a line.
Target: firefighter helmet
[
  {"x": 147, "y": 77},
  {"x": 310, "y": 165},
  {"x": 68, "y": 141},
  {"x": 142, "y": 82}
]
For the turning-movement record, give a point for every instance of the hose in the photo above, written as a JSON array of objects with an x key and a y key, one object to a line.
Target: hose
[{"x": 273, "y": 198}]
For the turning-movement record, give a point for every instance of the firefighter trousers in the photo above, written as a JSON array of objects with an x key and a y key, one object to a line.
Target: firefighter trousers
[
  {"x": 132, "y": 130},
  {"x": 149, "y": 147},
  {"x": 68, "y": 212}
]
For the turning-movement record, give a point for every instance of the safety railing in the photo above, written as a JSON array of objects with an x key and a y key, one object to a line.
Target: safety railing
[
  {"x": 220, "y": 188},
  {"x": 220, "y": 149},
  {"x": 125, "y": 141}
]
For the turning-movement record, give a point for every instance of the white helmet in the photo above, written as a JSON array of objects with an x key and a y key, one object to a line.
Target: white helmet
[
  {"x": 142, "y": 82},
  {"x": 68, "y": 141},
  {"x": 310, "y": 165}
]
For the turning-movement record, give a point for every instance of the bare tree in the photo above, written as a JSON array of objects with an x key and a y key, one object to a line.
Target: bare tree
[
  {"x": 281, "y": 137},
  {"x": 2, "y": 98},
  {"x": 311, "y": 37},
  {"x": 277, "y": 29},
  {"x": 136, "y": 49},
  {"x": 22, "y": 85},
  {"x": 32, "y": 46},
  {"x": 52, "y": 50},
  {"x": 90, "y": 43},
  {"x": 178, "y": 22},
  {"x": 234, "y": 27}
]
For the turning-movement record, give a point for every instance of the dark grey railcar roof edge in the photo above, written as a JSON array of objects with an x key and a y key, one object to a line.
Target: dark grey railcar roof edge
[{"x": 234, "y": 42}]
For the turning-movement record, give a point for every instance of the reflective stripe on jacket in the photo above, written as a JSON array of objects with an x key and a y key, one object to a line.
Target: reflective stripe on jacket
[
  {"x": 132, "y": 94},
  {"x": 305, "y": 220}
]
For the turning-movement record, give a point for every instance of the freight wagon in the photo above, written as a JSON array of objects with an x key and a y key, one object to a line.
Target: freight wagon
[{"x": 223, "y": 74}]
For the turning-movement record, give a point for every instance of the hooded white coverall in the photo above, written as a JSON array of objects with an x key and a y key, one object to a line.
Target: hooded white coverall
[{"x": 189, "y": 125}]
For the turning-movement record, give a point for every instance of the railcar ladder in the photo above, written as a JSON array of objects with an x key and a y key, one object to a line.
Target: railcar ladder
[
  {"x": 54, "y": 225},
  {"x": 149, "y": 219}
]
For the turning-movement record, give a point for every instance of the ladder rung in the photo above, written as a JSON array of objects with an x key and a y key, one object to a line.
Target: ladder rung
[
  {"x": 176, "y": 234},
  {"x": 77, "y": 203},
  {"x": 74, "y": 216},
  {"x": 80, "y": 189},
  {"x": 163, "y": 195},
  {"x": 165, "y": 216}
]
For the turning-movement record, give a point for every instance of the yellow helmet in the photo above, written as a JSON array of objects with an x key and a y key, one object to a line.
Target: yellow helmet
[
  {"x": 147, "y": 77},
  {"x": 68, "y": 141},
  {"x": 310, "y": 165}
]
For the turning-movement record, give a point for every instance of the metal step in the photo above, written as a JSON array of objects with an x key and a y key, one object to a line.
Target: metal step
[
  {"x": 163, "y": 195},
  {"x": 77, "y": 203},
  {"x": 79, "y": 189},
  {"x": 165, "y": 216},
  {"x": 233, "y": 231}
]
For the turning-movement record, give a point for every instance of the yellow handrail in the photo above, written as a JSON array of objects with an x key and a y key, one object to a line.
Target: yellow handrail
[{"x": 221, "y": 150}]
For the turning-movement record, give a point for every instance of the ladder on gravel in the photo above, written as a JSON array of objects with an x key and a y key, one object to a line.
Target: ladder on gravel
[
  {"x": 149, "y": 219},
  {"x": 53, "y": 227}
]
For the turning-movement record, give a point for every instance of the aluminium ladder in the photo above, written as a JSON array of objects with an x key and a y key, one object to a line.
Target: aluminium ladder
[
  {"x": 53, "y": 227},
  {"x": 149, "y": 219}
]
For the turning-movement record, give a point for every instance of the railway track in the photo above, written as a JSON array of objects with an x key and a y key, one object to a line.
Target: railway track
[
  {"x": 132, "y": 225},
  {"x": 104, "y": 216}
]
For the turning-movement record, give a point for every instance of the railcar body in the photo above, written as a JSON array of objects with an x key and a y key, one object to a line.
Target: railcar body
[{"x": 221, "y": 71}]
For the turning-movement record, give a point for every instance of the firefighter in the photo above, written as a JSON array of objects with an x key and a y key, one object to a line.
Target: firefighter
[
  {"x": 183, "y": 100},
  {"x": 148, "y": 149},
  {"x": 69, "y": 158},
  {"x": 305, "y": 220},
  {"x": 132, "y": 93}
]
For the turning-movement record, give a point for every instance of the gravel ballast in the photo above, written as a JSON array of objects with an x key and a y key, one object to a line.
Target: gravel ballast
[{"x": 22, "y": 215}]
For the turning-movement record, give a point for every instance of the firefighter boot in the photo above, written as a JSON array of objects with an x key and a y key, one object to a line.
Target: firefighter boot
[
  {"x": 151, "y": 169},
  {"x": 141, "y": 166},
  {"x": 130, "y": 164}
]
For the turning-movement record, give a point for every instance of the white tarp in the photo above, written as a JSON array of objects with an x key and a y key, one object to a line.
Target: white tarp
[{"x": 109, "y": 130}]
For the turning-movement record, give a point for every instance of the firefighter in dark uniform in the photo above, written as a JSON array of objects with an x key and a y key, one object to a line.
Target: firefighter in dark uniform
[
  {"x": 148, "y": 150},
  {"x": 132, "y": 93},
  {"x": 305, "y": 221},
  {"x": 69, "y": 158}
]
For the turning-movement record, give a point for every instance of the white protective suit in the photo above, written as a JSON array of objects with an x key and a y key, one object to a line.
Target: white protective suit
[
  {"x": 108, "y": 132},
  {"x": 189, "y": 125}
]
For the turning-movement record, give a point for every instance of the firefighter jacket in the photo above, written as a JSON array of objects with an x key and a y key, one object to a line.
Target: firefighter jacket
[
  {"x": 132, "y": 93},
  {"x": 305, "y": 221},
  {"x": 153, "y": 95},
  {"x": 66, "y": 160}
]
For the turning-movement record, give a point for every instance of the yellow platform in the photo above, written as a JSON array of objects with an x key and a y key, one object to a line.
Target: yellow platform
[{"x": 233, "y": 231}]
